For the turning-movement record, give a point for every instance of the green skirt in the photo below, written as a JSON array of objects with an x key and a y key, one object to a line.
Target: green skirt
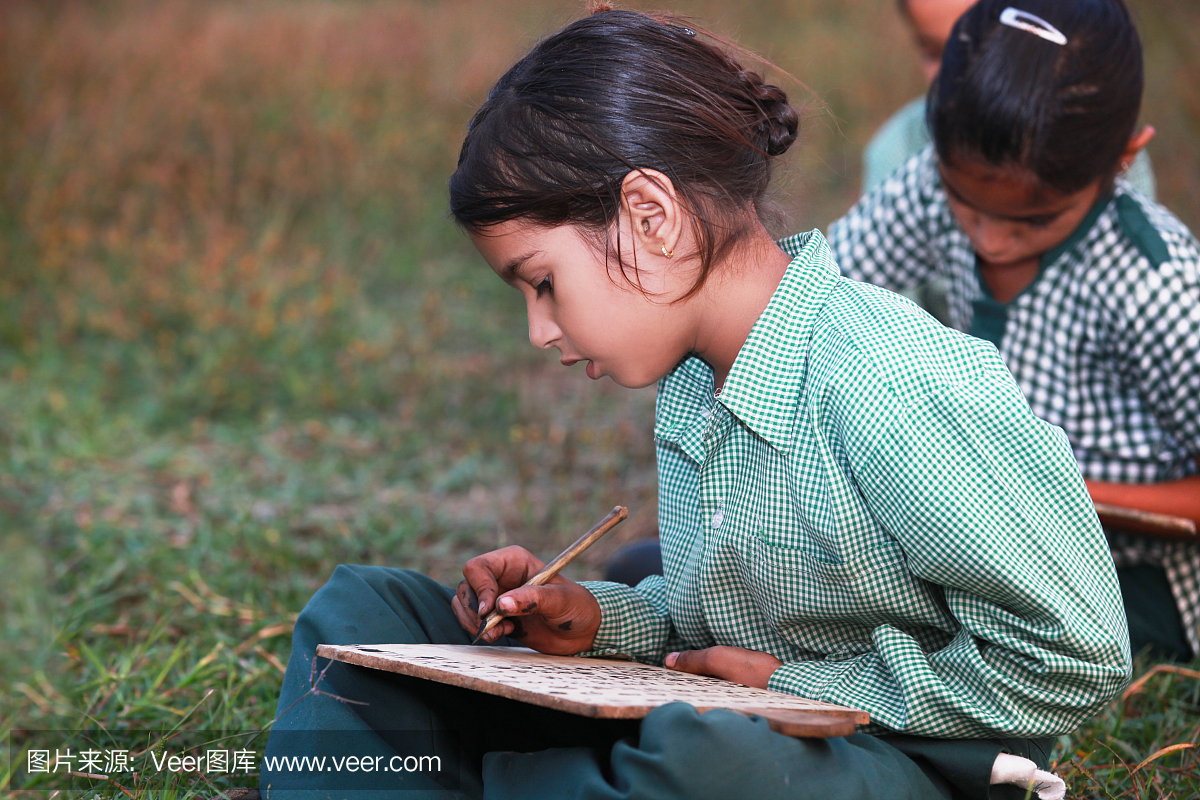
[{"x": 347, "y": 731}]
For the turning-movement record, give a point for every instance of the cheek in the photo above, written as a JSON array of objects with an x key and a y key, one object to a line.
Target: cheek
[
  {"x": 1043, "y": 239},
  {"x": 930, "y": 67},
  {"x": 1054, "y": 235},
  {"x": 964, "y": 215}
]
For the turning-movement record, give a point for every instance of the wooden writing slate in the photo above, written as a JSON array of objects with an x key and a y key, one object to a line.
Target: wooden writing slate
[{"x": 595, "y": 687}]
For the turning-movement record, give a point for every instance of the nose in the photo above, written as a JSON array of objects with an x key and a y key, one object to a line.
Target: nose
[
  {"x": 991, "y": 236},
  {"x": 543, "y": 331}
]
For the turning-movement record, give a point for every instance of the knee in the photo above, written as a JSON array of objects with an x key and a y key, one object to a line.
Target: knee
[
  {"x": 371, "y": 605},
  {"x": 353, "y": 585},
  {"x": 358, "y": 576},
  {"x": 352, "y": 597}
]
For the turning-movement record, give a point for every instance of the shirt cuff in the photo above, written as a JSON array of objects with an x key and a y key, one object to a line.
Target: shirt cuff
[
  {"x": 808, "y": 678},
  {"x": 629, "y": 623}
]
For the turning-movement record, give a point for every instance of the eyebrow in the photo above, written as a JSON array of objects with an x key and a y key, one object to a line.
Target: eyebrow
[
  {"x": 508, "y": 272},
  {"x": 1049, "y": 216}
]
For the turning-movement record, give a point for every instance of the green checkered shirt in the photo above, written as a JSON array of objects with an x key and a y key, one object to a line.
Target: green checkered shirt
[
  {"x": 870, "y": 500},
  {"x": 1104, "y": 343}
]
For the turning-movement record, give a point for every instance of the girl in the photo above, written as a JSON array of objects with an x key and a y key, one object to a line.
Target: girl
[
  {"x": 856, "y": 504},
  {"x": 1090, "y": 290},
  {"x": 905, "y": 134}
]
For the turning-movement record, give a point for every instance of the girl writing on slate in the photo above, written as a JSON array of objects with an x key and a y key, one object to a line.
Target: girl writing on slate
[
  {"x": 1090, "y": 290},
  {"x": 856, "y": 504}
]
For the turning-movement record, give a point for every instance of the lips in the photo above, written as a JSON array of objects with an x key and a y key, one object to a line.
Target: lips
[
  {"x": 999, "y": 262},
  {"x": 592, "y": 370},
  {"x": 1005, "y": 260}
]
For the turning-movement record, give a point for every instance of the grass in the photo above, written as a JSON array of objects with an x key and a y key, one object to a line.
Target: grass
[{"x": 240, "y": 343}]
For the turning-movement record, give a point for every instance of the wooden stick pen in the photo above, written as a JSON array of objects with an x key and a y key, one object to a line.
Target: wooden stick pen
[{"x": 548, "y": 572}]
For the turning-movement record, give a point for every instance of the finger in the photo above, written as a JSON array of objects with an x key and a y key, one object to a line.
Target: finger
[
  {"x": 467, "y": 598},
  {"x": 505, "y": 627},
  {"x": 519, "y": 602},
  {"x": 483, "y": 575},
  {"x": 693, "y": 661},
  {"x": 465, "y": 615},
  {"x": 459, "y": 615},
  {"x": 551, "y": 601},
  {"x": 492, "y": 573}
]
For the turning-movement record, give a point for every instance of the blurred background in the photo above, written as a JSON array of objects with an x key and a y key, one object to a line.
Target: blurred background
[{"x": 240, "y": 341}]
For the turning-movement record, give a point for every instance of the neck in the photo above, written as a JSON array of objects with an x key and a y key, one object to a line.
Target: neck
[
  {"x": 1009, "y": 280},
  {"x": 734, "y": 298}
]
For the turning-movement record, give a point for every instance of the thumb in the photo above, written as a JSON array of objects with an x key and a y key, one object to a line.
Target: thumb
[
  {"x": 694, "y": 661},
  {"x": 551, "y": 601}
]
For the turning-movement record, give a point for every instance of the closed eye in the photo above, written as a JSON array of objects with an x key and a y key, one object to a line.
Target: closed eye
[
  {"x": 1035, "y": 221},
  {"x": 544, "y": 287}
]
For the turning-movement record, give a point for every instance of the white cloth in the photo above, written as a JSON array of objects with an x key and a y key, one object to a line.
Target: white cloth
[{"x": 1024, "y": 773}]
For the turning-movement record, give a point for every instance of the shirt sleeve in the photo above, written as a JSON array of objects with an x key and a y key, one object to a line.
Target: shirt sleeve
[
  {"x": 634, "y": 620},
  {"x": 1160, "y": 346},
  {"x": 885, "y": 239},
  {"x": 988, "y": 507},
  {"x": 898, "y": 139}
]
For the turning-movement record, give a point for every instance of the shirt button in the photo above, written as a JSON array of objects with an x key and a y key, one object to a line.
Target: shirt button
[{"x": 717, "y": 518}]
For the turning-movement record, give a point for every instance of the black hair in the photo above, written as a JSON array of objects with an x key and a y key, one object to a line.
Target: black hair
[
  {"x": 614, "y": 92},
  {"x": 1065, "y": 112}
]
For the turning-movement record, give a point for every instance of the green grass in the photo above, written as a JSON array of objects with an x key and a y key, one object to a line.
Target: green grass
[{"x": 240, "y": 343}]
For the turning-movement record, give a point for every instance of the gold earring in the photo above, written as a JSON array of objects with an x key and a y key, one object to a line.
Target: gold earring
[{"x": 665, "y": 252}]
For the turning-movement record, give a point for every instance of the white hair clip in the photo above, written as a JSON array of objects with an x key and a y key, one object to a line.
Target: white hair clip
[{"x": 1023, "y": 20}]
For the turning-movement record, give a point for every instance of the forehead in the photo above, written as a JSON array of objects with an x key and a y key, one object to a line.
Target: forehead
[
  {"x": 933, "y": 19},
  {"x": 508, "y": 245},
  {"x": 1008, "y": 191}
]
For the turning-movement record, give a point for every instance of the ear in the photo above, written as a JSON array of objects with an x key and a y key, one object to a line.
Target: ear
[
  {"x": 1136, "y": 142},
  {"x": 655, "y": 217}
]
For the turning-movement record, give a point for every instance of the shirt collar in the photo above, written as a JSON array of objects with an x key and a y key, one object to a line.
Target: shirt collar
[{"x": 764, "y": 384}]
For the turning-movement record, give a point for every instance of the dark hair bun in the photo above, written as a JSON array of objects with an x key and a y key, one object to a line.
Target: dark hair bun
[{"x": 780, "y": 123}]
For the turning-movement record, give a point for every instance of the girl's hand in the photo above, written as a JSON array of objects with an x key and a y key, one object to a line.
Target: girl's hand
[
  {"x": 560, "y": 617},
  {"x": 736, "y": 664}
]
